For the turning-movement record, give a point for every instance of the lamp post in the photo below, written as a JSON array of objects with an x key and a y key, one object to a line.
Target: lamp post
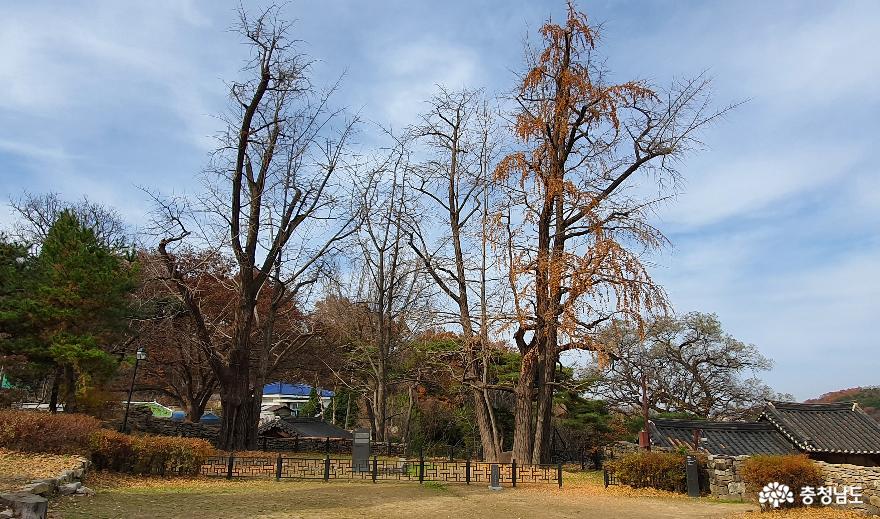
[{"x": 140, "y": 355}]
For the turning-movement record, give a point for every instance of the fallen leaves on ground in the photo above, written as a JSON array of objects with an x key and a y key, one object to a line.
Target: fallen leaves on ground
[
  {"x": 803, "y": 513},
  {"x": 18, "y": 468}
]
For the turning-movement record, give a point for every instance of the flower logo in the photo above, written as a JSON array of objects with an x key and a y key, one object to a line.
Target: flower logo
[{"x": 776, "y": 494}]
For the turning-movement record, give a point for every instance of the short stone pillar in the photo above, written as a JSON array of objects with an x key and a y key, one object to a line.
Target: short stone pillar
[
  {"x": 360, "y": 451},
  {"x": 494, "y": 477}
]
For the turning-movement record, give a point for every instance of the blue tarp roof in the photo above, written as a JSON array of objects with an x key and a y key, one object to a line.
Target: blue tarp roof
[{"x": 282, "y": 388}]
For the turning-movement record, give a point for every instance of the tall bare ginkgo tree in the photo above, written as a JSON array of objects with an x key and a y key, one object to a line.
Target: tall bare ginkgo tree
[
  {"x": 275, "y": 203},
  {"x": 573, "y": 225}
]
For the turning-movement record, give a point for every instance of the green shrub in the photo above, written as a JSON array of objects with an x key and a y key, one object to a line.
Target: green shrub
[
  {"x": 796, "y": 471},
  {"x": 35, "y": 431},
  {"x": 662, "y": 470},
  {"x": 144, "y": 454}
]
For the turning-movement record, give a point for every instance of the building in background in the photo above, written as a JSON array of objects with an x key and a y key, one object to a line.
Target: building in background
[{"x": 292, "y": 396}]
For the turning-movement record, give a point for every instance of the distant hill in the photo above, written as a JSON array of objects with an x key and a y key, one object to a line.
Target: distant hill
[{"x": 868, "y": 399}]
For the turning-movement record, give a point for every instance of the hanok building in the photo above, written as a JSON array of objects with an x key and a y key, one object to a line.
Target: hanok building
[
  {"x": 729, "y": 438},
  {"x": 836, "y": 433},
  {"x": 302, "y": 428}
]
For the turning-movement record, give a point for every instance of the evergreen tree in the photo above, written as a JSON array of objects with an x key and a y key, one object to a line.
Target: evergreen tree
[
  {"x": 77, "y": 306},
  {"x": 313, "y": 406}
]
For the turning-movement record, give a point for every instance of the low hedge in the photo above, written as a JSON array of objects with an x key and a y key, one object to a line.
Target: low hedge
[
  {"x": 35, "y": 431},
  {"x": 661, "y": 470},
  {"x": 145, "y": 454},
  {"x": 796, "y": 471}
]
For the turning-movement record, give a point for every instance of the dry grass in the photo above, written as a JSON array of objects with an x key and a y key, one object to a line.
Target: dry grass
[
  {"x": 18, "y": 468},
  {"x": 582, "y": 496}
]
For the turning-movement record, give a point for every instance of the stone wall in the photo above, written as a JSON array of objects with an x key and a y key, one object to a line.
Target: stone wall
[
  {"x": 854, "y": 475},
  {"x": 726, "y": 482},
  {"x": 724, "y": 476}
]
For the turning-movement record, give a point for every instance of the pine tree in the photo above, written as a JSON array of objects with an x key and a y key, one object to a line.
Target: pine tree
[
  {"x": 79, "y": 305},
  {"x": 313, "y": 406}
]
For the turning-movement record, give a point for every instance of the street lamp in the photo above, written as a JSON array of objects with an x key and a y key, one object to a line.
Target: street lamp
[{"x": 140, "y": 355}]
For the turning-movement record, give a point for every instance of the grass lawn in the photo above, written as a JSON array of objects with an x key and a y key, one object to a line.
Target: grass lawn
[{"x": 582, "y": 496}]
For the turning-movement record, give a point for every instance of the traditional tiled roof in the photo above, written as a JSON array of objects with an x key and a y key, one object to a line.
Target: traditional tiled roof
[
  {"x": 305, "y": 428},
  {"x": 730, "y": 438},
  {"x": 833, "y": 428}
]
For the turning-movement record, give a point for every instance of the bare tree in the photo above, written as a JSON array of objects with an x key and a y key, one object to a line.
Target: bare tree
[
  {"x": 387, "y": 284},
  {"x": 690, "y": 365},
  {"x": 275, "y": 201},
  {"x": 38, "y": 212},
  {"x": 460, "y": 135}
]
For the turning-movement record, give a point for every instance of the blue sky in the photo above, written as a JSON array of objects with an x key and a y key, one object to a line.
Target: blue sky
[{"x": 777, "y": 230}]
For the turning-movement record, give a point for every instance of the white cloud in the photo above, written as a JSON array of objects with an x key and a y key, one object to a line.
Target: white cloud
[{"x": 408, "y": 74}]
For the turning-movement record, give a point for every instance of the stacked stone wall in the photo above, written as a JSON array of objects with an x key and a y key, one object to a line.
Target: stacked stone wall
[{"x": 725, "y": 481}]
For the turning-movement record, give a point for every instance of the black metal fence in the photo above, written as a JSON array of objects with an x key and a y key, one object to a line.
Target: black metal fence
[{"x": 375, "y": 469}]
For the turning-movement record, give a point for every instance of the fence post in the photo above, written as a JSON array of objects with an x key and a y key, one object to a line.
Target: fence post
[
  {"x": 559, "y": 473},
  {"x": 375, "y": 468},
  {"x": 229, "y": 465},
  {"x": 326, "y": 467},
  {"x": 605, "y": 476},
  {"x": 467, "y": 471},
  {"x": 327, "y": 445},
  {"x": 421, "y": 466},
  {"x": 278, "y": 468},
  {"x": 513, "y": 472},
  {"x": 451, "y": 453}
]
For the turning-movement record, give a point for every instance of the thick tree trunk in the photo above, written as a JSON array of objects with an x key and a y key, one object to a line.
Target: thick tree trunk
[
  {"x": 484, "y": 424},
  {"x": 541, "y": 450},
  {"x": 523, "y": 424},
  {"x": 194, "y": 411},
  {"x": 238, "y": 423}
]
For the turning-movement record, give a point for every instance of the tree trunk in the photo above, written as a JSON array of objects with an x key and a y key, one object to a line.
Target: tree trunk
[
  {"x": 53, "y": 396},
  {"x": 544, "y": 413},
  {"x": 69, "y": 390},
  {"x": 523, "y": 424},
  {"x": 238, "y": 425},
  {"x": 380, "y": 411}
]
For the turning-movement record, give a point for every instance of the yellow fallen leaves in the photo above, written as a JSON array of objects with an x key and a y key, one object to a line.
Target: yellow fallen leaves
[
  {"x": 17, "y": 468},
  {"x": 804, "y": 513}
]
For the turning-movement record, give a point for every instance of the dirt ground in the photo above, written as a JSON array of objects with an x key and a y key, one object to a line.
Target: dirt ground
[{"x": 133, "y": 498}]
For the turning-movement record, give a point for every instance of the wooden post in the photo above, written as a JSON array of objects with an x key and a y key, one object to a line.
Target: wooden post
[
  {"x": 375, "y": 468},
  {"x": 278, "y": 468},
  {"x": 467, "y": 471},
  {"x": 229, "y": 465},
  {"x": 559, "y": 473},
  {"x": 513, "y": 472},
  {"x": 421, "y": 466},
  {"x": 326, "y": 467}
]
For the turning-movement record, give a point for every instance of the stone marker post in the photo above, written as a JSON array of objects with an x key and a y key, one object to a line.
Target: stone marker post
[
  {"x": 693, "y": 476},
  {"x": 494, "y": 477},
  {"x": 360, "y": 451}
]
